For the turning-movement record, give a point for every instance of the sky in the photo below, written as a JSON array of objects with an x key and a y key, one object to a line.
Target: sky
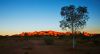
[{"x": 18, "y": 16}]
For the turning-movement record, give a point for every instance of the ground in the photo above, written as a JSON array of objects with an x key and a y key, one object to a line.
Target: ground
[{"x": 39, "y": 47}]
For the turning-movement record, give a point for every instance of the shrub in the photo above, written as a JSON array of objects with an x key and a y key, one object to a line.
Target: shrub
[
  {"x": 97, "y": 42},
  {"x": 48, "y": 40},
  {"x": 64, "y": 37}
]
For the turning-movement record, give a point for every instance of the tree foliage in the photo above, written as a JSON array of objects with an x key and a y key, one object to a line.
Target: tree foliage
[{"x": 74, "y": 18}]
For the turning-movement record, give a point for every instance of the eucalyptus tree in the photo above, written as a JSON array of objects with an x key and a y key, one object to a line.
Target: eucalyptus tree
[{"x": 74, "y": 18}]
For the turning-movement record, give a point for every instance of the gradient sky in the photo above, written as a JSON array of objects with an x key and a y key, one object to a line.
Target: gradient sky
[{"x": 34, "y": 15}]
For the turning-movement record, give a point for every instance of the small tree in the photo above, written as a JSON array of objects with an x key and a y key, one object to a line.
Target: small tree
[{"x": 74, "y": 18}]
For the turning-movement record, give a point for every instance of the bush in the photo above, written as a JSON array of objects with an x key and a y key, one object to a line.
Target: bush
[
  {"x": 48, "y": 40},
  {"x": 64, "y": 37},
  {"x": 97, "y": 42}
]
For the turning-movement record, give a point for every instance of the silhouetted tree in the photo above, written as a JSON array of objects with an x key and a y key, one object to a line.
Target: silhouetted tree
[{"x": 74, "y": 18}]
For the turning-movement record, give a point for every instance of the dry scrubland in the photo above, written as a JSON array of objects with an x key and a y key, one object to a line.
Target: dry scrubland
[{"x": 48, "y": 45}]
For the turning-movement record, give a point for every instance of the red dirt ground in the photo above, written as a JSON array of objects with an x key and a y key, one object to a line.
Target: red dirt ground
[{"x": 39, "y": 47}]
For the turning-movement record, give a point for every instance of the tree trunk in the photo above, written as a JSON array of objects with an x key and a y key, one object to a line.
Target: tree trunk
[{"x": 73, "y": 35}]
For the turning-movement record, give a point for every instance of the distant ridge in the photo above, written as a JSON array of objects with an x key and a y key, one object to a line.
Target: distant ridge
[
  {"x": 42, "y": 33},
  {"x": 50, "y": 33}
]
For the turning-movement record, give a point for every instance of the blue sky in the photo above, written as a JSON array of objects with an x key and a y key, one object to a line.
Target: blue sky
[{"x": 34, "y": 15}]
